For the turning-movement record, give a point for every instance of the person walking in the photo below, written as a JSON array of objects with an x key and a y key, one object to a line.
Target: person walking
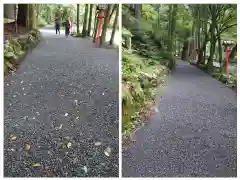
[
  {"x": 67, "y": 27},
  {"x": 57, "y": 26}
]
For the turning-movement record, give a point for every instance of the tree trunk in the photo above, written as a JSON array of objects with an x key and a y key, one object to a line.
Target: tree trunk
[
  {"x": 84, "y": 29},
  {"x": 31, "y": 16},
  {"x": 37, "y": 11},
  {"x": 202, "y": 50},
  {"x": 95, "y": 28},
  {"x": 16, "y": 15},
  {"x": 233, "y": 52},
  {"x": 213, "y": 39},
  {"x": 171, "y": 32},
  {"x": 113, "y": 11},
  {"x": 105, "y": 24},
  {"x": 198, "y": 32},
  {"x": 169, "y": 47},
  {"x": 114, "y": 25},
  {"x": 78, "y": 31},
  {"x": 90, "y": 20},
  {"x": 22, "y": 15},
  {"x": 220, "y": 58}
]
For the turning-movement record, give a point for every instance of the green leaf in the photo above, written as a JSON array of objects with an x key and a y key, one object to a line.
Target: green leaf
[
  {"x": 36, "y": 165},
  {"x": 9, "y": 54},
  {"x": 12, "y": 137},
  {"x": 27, "y": 147}
]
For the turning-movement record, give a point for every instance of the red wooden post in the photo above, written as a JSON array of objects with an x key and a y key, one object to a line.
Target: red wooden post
[
  {"x": 228, "y": 50},
  {"x": 99, "y": 30}
]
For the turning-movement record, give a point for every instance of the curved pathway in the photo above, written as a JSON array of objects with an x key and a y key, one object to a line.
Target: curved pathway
[
  {"x": 61, "y": 111},
  {"x": 194, "y": 133}
]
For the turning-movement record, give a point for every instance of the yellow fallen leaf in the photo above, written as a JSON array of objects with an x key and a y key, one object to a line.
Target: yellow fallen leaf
[
  {"x": 108, "y": 151},
  {"x": 85, "y": 169},
  {"x": 27, "y": 147},
  {"x": 69, "y": 144},
  {"x": 12, "y": 137},
  {"x": 60, "y": 127},
  {"x": 36, "y": 165}
]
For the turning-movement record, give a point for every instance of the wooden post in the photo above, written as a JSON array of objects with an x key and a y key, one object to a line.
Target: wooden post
[
  {"x": 228, "y": 50},
  {"x": 99, "y": 30}
]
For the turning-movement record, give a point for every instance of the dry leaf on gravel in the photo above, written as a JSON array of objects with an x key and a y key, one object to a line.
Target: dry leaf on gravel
[
  {"x": 12, "y": 137},
  {"x": 108, "y": 151}
]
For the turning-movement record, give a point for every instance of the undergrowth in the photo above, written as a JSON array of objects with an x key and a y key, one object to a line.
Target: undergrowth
[{"x": 141, "y": 77}]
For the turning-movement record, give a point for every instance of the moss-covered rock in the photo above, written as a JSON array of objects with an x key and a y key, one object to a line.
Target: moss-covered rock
[
  {"x": 229, "y": 79},
  {"x": 16, "y": 48}
]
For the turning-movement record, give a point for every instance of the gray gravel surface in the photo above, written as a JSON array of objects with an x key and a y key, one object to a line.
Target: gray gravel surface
[
  {"x": 194, "y": 134},
  {"x": 63, "y": 102}
]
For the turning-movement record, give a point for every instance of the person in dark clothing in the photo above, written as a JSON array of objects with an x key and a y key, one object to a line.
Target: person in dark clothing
[
  {"x": 57, "y": 26},
  {"x": 67, "y": 27}
]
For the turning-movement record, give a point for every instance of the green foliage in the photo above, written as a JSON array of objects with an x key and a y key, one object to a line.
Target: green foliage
[
  {"x": 141, "y": 77},
  {"x": 229, "y": 79},
  {"x": 47, "y": 13},
  {"x": 14, "y": 49}
]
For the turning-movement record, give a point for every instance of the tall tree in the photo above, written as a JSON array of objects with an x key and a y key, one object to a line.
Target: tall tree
[
  {"x": 78, "y": 31},
  {"x": 213, "y": 10},
  {"x": 84, "y": 29},
  {"x": 105, "y": 24},
  {"x": 171, "y": 33},
  {"x": 90, "y": 20},
  {"x": 31, "y": 17},
  {"x": 114, "y": 24}
]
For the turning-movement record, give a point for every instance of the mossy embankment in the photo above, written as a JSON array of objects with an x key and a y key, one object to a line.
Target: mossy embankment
[{"x": 16, "y": 49}]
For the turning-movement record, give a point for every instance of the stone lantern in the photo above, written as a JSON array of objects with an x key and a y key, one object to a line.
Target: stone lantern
[
  {"x": 227, "y": 45},
  {"x": 101, "y": 8}
]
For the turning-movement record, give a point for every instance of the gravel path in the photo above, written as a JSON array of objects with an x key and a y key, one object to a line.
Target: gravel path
[
  {"x": 194, "y": 133},
  {"x": 61, "y": 111}
]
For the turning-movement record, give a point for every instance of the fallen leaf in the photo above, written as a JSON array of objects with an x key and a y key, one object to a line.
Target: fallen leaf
[
  {"x": 156, "y": 109},
  {"x": 27, "y": 148},
  {"x": 60, "y": 127},
  {"x": 103, "y": 164},
  {"x": 85, "y": 169},
  {"x": 67, "y": 137},
  {"x": 36, "y": 165},
  {"x": 98, "y": 143},
  {"x": 12, "y": 137},
  {"x": 21, "y": 82},
  {"x": 75, "y": 160},
  {"x": 108, "y": 151},
  {"x": 76, "y": 102},
  {"x": 66, "y": 114},
  {"x": 69, "y": 144}
]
